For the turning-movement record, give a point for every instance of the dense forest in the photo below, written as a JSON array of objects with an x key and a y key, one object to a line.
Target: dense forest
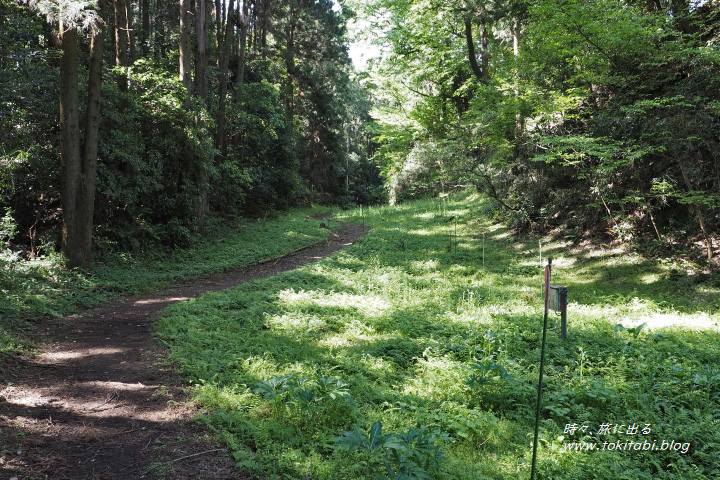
[
  {"x": 170, "y": 114},
  {"x": 126, "y": 125}
]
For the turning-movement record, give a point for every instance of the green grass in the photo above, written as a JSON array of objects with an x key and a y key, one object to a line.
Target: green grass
[
  {"x": 35, "y": 289},
  {"x": 426, "y": 338}
]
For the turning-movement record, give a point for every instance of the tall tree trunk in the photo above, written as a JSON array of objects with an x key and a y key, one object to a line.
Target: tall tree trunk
[
  {"x": 290, "y": 67},
  {"x": 78, "y": 172},
  {"x": 159, "y": 37},
  {"x": 184, "y": 48},
  {"x": 201, "y": 53},
  {"x": 223, "y": 88},
  {"x": 121, "y": 42},
  {"x": 132, "y": 56},
  {"x": 70, "y": 163},
  {"x": 255, "y": 39},
  {"x": 201, "y": 87},
  {"x": 220, "y": 15},
  {"x": 243, "y": 22},
  {"x": 145, "y": 42},
  {"x": 92, "y": 126},
  {"x": 485, "y": 53},
  {"x": 265, "y": 27}
]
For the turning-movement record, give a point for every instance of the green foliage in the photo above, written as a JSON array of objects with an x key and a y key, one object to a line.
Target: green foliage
[
  {"x": 413, "y": 454},
  {"x": 423, "y": 335},
  {"x": 306, "y": 396},
  {"x": 152, "y": 153},
  {"x": 262, "y": 164},
  {"x": 28, "y": 135},
  {"x": 8, "y": 227},
  {"x": 595, "y": 103}
]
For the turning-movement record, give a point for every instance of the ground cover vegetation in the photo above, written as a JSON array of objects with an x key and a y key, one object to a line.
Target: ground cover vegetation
[
  {"x": 414, "y": 353},
  {"x": 35, "y": 290},
  {"x": 599, "y": 117}
]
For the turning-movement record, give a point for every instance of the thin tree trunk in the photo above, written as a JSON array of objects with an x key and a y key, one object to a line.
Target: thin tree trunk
[
  {"x": 519, "y": 123},
  {"x": 201, "y": 53},
  {"x": 201, "y": 87},
  {"x": 145, "y": 6},
  {"x": 243, "y": 22},
  {"x": 255, "y": 40},
  {"x": 291, "y": 68},
  {"x": 220, "y": 15},
  {"x": 159, "y": 37},
  {"x": 485, "y": 54},
  {"x": 121, "y": 42},
  {"x": 265, "y": 27},
  {"x": 130, "y": 32}
]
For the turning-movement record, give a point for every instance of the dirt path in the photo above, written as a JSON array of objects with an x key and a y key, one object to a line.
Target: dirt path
[{"x": 100, "y": 403}]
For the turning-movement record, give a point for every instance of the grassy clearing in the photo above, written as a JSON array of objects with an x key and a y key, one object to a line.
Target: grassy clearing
[
  {"x": 35, "y": 289},
  {"x": 402, "y": 357}
]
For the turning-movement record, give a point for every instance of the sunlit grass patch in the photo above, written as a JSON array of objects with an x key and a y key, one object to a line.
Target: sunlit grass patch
[{"x": 445, "y": 336}]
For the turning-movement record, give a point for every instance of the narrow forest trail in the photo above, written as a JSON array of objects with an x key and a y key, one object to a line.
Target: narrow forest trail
[{"x": 99, "y": 402}]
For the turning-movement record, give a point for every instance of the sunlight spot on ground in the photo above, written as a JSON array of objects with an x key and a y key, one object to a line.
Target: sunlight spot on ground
[
  {"x": 426, "y": 265},
  {"x": 295, "y": 322},
  {"x": 151, "y": 301},
  {"x": 423, "y": 232},
  {"x": 336, "y": 341},
  {"x": 458, "y": 212},
  {"x": 109, "y": 385},
  {"x": 563, "y": 262},
  {"x": 459, "y": 269},
  {"x": 654, "y": 321},
  {"x": 584, "y": 279},
  {"x": 375, "y": 364},
  {"x": 434, "y": 378},
  {"x": 23, "y": 396},
  {"x": 372, "y": 305},
  {"x": 650, "y": 278},
  {"x": 67, "y": 355},
  {"x": 708, "y": 289},
  {"x": 360, "y": 330}
]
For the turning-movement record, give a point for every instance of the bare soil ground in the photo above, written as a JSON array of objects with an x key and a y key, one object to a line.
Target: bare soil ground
[{"x": 100, "y": 402}]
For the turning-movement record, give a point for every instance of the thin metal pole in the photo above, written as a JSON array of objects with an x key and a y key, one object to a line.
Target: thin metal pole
[
  {"x": 548, "y": 269},
  {"x": 455, "y": 233},
  {"x": 483, "y": 250}
]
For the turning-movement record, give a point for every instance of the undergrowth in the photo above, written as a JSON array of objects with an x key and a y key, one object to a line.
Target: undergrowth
[{"x": 428, "y": 331}]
